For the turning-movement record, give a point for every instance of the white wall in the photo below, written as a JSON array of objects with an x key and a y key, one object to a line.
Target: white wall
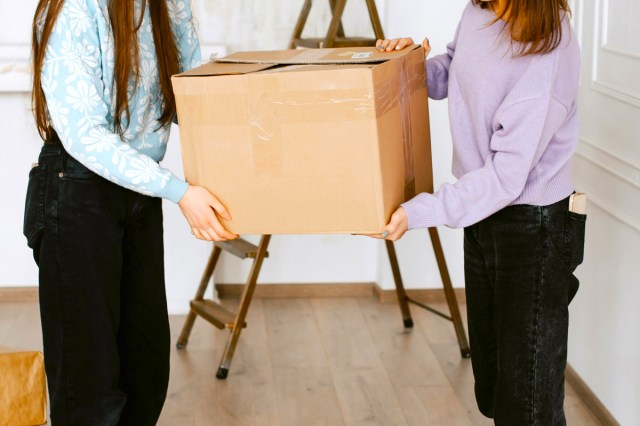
[
  {"x": 604, "y": 341},
  {"x": 236, "y": 25},
  {"x": 19, "y": 143}
]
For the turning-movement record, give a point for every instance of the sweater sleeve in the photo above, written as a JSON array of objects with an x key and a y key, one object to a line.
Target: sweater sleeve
[
  {"x": 522, "y": 132},
  {"x": 72, "y": 82},
  {"x": 438, "y": 73},
  {"x": 186, "y": 34},
  {"x": 522, "y": 128},
  {"x": 438, "y": 70}
]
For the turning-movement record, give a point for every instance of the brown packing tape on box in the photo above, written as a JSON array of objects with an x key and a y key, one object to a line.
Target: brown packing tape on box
[
  {"x": 397, "y": 90},
  {"x": 23, "y": 393},
  {"x": 388, "y": 97},
  {"x": 407, "y": 134}
]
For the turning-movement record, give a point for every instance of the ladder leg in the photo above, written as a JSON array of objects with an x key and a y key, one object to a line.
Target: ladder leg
[
  {"x": 403, "y": 300},
  {"x": 450, "y": 294},
  {"x": 202, "y": 288},
  {"x": 243, "y": 308},
  {"x": 302, "y": 21},
  {"x": 336, "y": 20},
  {"x": 332, "y": 5},
  {"x": 375, "y": 19}
]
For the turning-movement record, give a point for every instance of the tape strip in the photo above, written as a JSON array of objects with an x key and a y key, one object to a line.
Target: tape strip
[
  {"x": 407, "y": 132},
  {"x": 309, "y": 56},
  {"x": 387, "y": 96},
  {"x": 397, "y": 91}
]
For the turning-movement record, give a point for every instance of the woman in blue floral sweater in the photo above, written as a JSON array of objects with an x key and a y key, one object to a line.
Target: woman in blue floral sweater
[{"x": 103, "y": 105}]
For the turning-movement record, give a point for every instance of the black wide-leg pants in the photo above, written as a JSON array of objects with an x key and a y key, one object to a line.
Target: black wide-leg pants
[
  {"x": 103, "y": 306},
  {"x": 519, "y": 267}
]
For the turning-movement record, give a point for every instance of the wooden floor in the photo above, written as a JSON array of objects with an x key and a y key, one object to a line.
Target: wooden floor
[{"x": 307, "y": 362}]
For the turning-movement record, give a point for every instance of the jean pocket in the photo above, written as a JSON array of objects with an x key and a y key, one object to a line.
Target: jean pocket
[
  {"x": 574, "y": 234},
  {"x": 76, "y": 171},
  {"x": 34, "y": 205}
]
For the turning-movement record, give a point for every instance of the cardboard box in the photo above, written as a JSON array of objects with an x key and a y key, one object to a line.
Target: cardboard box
[
  {"x": 316, "y": 141},
  {"x": 23, "y": 395}
]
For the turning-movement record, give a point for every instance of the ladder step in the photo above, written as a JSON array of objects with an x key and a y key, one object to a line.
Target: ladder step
[
  {"x": 241, "y": 248},
  {"x": 214, "y": 313},
  {"x": 315, "y": 43}
]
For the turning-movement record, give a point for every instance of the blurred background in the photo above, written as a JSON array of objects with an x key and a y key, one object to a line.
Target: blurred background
[{"x": 604, "y": 345}]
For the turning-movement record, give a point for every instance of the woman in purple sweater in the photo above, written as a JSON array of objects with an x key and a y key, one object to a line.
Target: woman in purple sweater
[{"x": 511, "y": 75}]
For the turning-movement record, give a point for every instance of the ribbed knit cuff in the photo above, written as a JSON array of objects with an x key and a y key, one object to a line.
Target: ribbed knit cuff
[
  {"x": 429, "y": 70},
  {"x": 432, "y": 80},
  {"x": 175, "y": 189},
  {"x": 421, "y": 211}
]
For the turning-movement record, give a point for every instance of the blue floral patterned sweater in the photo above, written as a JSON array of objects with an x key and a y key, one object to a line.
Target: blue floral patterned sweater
[{"x": 77, "y": 80}]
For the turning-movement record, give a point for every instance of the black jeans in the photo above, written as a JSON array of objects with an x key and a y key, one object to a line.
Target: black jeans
[
  {"x": 519, "y": 267},
  {"x": 103, "y": 307}
]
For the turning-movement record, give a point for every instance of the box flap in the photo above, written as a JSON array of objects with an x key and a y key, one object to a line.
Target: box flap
[
  {"x": 217, "y": 68},
  {"x": 344, "y": 55}
]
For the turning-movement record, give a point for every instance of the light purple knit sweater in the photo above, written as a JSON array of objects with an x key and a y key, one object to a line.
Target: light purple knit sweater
[{"x": 513, "y": 119}]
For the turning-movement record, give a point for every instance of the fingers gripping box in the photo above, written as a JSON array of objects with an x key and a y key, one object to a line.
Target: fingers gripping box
[{"x": 321, "y": 141}]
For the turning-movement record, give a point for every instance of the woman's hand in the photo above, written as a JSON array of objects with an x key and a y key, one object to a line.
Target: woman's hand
[
  {"x": 397, "y": 227},
  {"x": 201, "y": 208},
  {"x": 400, "y": 43}
]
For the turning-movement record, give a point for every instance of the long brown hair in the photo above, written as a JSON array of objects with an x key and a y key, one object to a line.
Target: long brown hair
[
  {"x": 125, "y": 28},
  {"x": 535, "y": 24}
]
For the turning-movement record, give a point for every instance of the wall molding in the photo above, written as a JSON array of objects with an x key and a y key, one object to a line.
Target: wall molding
[
  {"x": 19, "y": 294},
  {"x": 609, "y": 162},
  {"x": 620, "y": 52},
  {"x": 578, "y": 19},
  {"x": 613, "y": 212},
  {"x": 604, "y": 11},
  {"x": 427, "y": 295},
  {"x": 321, "y": 290},
  {"x": 601, "y": 46},
  {"x": 617, "y": 168},
  {"x": 615, "y": 92},
  {"x": 273, "y": 291},
  {"x": 285, "y": 291}
]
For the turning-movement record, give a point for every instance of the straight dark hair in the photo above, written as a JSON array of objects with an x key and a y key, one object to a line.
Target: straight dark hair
[
  {"x": 535, "y": 24},
  {"x": 125, "y": 34}
]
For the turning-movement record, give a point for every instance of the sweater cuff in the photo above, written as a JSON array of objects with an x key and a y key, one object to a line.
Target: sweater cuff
[
  {"x": 175, "y": 189},
  {"x": 421, "y": 211},
  {"x": 429, "y": 70},
  {"x": 431, "y": 77}
]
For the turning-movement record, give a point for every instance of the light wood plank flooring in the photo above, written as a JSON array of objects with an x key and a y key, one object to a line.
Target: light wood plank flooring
[{"x": 300, "y": 362}]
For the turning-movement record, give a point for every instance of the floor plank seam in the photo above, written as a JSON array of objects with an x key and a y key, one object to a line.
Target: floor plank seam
[{"x": 329, "y": 361}]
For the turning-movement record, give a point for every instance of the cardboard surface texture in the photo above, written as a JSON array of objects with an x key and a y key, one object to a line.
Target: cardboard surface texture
[
  {"x": 23, "y": 393},
  {"x": 333, "y": 143}
]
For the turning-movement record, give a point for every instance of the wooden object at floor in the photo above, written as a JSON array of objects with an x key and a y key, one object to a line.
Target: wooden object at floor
[
  {"x": 335, "y": 34},
  {"x": 222, "y": 318},
  {"x": 23, "y": 394},
  {"x": 215, "y": 313}
]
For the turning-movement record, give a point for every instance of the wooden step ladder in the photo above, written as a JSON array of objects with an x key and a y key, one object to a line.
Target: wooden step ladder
[
  {"x": 335, "y": 34},
  {"x": 235, "y": 322},
  {"x": 216, "y": 314}
]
